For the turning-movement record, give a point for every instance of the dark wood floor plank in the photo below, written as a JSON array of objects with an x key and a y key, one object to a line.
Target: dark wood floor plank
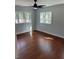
[{"x": 40, "y": 46}]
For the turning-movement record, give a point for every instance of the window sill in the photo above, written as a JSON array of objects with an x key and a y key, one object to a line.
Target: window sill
[{"x": 22, "y": 23}]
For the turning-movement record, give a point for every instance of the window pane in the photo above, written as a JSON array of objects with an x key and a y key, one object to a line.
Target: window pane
[
  {"x": 28, "y": 17},
  {"x": 21, "y": 17},
  {"x": 16, "y": 17},
  {"x": 41, "y": 17},
  {"x": 16, "y": 21},
  {"x": 45, "y": 17},
  {"x": 48, "y": 17}
]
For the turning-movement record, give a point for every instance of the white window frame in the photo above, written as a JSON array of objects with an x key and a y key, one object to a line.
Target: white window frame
[
  {"x": 44, "y": 19},
  {"x": 21, "y": 17}
]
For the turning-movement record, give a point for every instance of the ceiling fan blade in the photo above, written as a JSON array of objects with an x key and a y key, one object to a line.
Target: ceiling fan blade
[{"x": 40, "y": 6}]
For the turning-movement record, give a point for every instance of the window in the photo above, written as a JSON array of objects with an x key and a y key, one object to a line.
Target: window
[
  {"x": 22, "y": 17},
  {"x": 16, "y": 17},
  {"x": 46, "y": 17},
  {"x": 27, "y": 17}
]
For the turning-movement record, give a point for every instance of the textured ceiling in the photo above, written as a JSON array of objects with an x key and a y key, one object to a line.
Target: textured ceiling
[{"x": 39, "y": 2}]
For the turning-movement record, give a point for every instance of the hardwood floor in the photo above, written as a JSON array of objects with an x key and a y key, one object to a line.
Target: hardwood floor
[{"x": 40, "y": 46}]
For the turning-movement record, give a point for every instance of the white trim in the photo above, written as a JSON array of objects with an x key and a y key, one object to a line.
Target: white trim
[
  {"x": 22, "y": 32},
  {"x": 50, "y": 33}
]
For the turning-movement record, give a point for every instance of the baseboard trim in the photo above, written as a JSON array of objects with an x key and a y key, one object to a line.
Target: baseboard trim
[
  {"x": 48, "y": 34},
  {"x": 45, "y": 33},
  {"x": 22, "y": 33}
]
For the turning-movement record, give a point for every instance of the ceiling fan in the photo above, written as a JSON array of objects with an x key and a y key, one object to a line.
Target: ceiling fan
[{"x": 35, "y": 6}]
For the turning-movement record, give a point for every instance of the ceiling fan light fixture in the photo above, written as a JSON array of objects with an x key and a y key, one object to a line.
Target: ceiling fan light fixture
[{"x": 35, "y": 8}]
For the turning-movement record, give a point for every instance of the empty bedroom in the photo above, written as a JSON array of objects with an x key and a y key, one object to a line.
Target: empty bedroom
[{"x": 39, "y": 29}]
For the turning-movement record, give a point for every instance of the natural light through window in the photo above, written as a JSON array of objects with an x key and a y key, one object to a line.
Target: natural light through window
[
  {"x": 46, "y": 17},
  {"x": 23, "y": 17}
]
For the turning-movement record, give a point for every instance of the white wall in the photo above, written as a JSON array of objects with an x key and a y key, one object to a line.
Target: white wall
[{"x": 57, "y": 26}]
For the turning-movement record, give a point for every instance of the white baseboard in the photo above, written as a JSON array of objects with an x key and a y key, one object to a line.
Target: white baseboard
[
  {"x": 22, "y": 32},
  {"x": 41, "y": 31},
  {"x": 50, "y": 33}
]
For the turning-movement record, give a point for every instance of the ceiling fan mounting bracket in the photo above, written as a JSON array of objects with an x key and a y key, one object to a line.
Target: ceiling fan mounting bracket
[{"x": 36, "y": 6}]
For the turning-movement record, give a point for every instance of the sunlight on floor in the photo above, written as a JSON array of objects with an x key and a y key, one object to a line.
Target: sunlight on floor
[
  {"x": 45, "y": 46},
  {"x": 49, "y": 38}
]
